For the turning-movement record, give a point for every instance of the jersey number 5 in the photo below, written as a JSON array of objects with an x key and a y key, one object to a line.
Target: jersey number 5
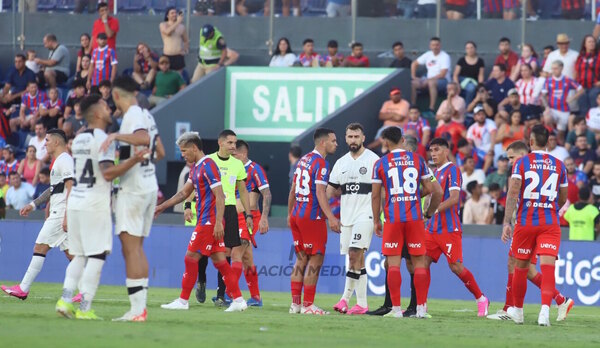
[{"x": 87, "y": 175}]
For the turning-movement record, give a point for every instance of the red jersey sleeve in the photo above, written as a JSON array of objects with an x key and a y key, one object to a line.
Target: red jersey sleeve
[
  {"x": 212, "y": 174},
  {"x": 321, "y": 172},
  {"x": 377, "y": 177}
]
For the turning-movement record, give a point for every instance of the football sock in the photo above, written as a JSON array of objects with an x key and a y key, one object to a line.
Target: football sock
[
  {"x": 229, "y": 279},
  {"x": 135, "y": 289},
  {"x": 428, "y": 283},
  {"x": 388, "y": 300},
  {"x": 394, "y": 283},
  {"x": 413, "y": 293},
  {"x": 72, "y": 277},
  {"x": 296, "y": 288},
  {"x": 89, "y": 282},
  {"x": 537, "y": 280},
  {"x": 421, "y": 285},
  {"x": 35, "y": 266},
  {"x": 509, "y": 302},
  {"x": 237, "y": 268},
  {"x": 189, "y": 277},
  {"x": 221, "y": 283},
  {"x": 352, "y": 278},
  {"x": 202, "y": 264},
  {"x": 361, "y": 289},
  {"x": 309, "y": 295},
  {"x": 519, "y": 286},
  {"x": 145, "y": 291},
  {"x": 548, "y": 284},
  {"x": 467, "y": 277},
  {"x": 252, "y": 282},
  {"x": 558, "y": 297}
]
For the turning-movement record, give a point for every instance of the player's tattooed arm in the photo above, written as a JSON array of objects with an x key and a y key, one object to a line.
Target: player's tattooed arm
[
  {"x": 512, "y": 198},
  {"x": 110, "y": 171},
  {"x": 43, "y": 198},
  {"x": 267, "y": 198},
  {"x": 176, "y": 199}
]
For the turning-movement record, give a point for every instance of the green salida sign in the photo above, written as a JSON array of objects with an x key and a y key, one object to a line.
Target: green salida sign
[{"x": 278, "y": 104}]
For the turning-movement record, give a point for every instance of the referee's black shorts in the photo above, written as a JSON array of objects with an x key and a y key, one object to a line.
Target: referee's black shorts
[{"x": 232, "y": 229}]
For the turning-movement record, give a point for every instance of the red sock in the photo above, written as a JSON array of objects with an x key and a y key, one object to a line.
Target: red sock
[
  {"x": 421, "y": 285},
  {"x": 537, "y": 280},
  {"x": 252, "y": 281},
  {"x": 519, "y": 286},
  {"x": 558, "y": 297},
  {"x": 467, "y": 277},
  {"x": 394, "y": 282},
  {"x": 189, "y": 277},
  {"x": 237, "y": 268},
  {"x": 548, "y": 284},
  {"x": 309, "y": 295},
  {"x": 509, "y": 302},
  {"x": 229, "y": 278},
  {"x": 296, "y": 292},
  {"x": 428, "y": 282}
]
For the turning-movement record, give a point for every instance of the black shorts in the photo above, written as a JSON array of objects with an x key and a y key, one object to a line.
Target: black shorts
[
  {"x": 176, "y": 62},
  {"x": 61, "y": 77},
  {"x": 457, "y": 8},
  {"x": 232, "y": 229}
]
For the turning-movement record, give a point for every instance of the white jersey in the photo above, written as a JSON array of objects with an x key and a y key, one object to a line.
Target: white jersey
[
  {"x": 92, "y": 192},
  {"x": 141, "y": 178},
  {"x": 61, "y": 171},
  {"x": 353, "y": 176}
]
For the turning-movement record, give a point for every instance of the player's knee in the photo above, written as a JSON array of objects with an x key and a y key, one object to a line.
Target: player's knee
[
  {"x": 456, "y": 267},
  {"x": 41, "y": 249}
]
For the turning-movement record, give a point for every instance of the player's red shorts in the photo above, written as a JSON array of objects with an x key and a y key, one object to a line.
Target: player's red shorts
[
  {"x": 256, "y": 215},
  {"x": 530, "y": 240},
  {"x": 449, "y": 244},
  {"x": 533, "y": 260},
  {"x": 244, "y": 233},
  {"x": 397, "y": 233},
  {"x": 309, "y": 235},
  {"x": 203, "y": 241}
]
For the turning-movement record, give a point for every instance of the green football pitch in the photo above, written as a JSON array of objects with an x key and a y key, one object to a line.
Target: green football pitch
[{"x": 33, "y": 323}]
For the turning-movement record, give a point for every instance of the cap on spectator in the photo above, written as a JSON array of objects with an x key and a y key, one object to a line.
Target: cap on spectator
[
  {"x": 471, "y": 186},
  {"x": 562, "y": 39},
  {"x": 502, "y": 158},
  {"x": 395, "y": 90},
  {"x": 102, "y": 36},
  {"x": 462, "y": 142},
  {"x": 531, "y": 117},
  {"x": 478, "y": 108},
  {"x": 207, "y": 29},
  {"x": 332, "y": 44},
  {"x": 513, "y": 91},
  {"x": 9, "y": 148}
]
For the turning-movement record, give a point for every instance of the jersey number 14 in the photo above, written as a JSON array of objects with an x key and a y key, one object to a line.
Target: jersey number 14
[{"x": 87, "y": 175}]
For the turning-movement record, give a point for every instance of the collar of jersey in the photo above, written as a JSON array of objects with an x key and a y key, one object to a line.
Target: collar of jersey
[
  {"x": 248, "y": 163},
  {"x": 539, "y": 151},
  {"x": 201, "y": 160},
  {"x": 317, "y": 152},
  {"x": 444, "y": 166},
  {"x": 558, "y": 79},
  {"x": 398, "y": 150}
]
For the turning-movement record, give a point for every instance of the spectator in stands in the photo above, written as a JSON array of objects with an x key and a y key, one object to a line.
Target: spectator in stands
[
  {"x": 466, "y": 150},
  {"x": 400, "y": 60},
  {"x": 107, "y": 25},
  {"x": 583, "y": 156},
  {"x": 20, "y": 193},
  {"x": 510, "y": 104},
  {"x": 469, "y": 173},
  {"x": 168, "y": 83},
  {"x": 9, "y": 163},
  {"x": 492, "y": 9},
  {"x": 587, "y": 73},
  {"x": 529, "y": 88},
  {"x": 576, "y": 178},
  {"x": 528, "y": 57},
  {"x": 30, "y": 6},
  {"x": 308, "y": 57},
  {"x": 499, "y": 177},
  {"x": 563, "y": 54},
  {"x": 76, "y": 123},
  {"x": 454, "y": 105},
  {"x": 39, "y": 142},
  {"x": 469, "y": 72},
  {"x": 508, "y": 133},
  {"x": 145, "y": 65},
  {"x": 456, "y": 9},
  {"x": 393, "y": 113},
  {"x": 82, "y": 75},
  {"x": 496, "y": 203},
  {"x": 594, "y": 183},
  {"x": 556, "y": 99},
  {"x": 283, "y": 56},
  {"x": 510, "y": 9},
  {"x": 80, "y": 5},
  {"x": 205, "y": 8},
  {"x": 3, "y": 183},
  {"x": 30, "y": 108},
  {"x": 105, "y": 88},
  {"x": 438, "y": 72},
  {"x": 293, "y": 156},
  {"x": 176, "y": 43},
  {"x": 52, "y": 110},
  {"x": 554, "y": 149},
  {"x": 482, "y": 133},
  {"x": 593, "y": 118},
  {"x": 547, "y": 50},
  {"x": 212, "y": 53},
  {"x": 338, "y": 8},
  {"x": 498, "y": 85},
  {"x": 583, "y": 218},
  {"x": 30, "y": 166},
  {"x": 477, "y": 210},
  {"x": 16, "y": 82},
  {"x": 484, "y": 99},
  {"x": 42, "y": 185},
  {"x": 57, "y": 66},
  {"x": 418, "y": 124},
  {"x": 426, "y": 8},
  {"x": 103, "y": 65},
  {"x": 286, "y": 5},
  {"x": 507, "y": 56},
  {"x": 357, "y": 59},
  {"x": 78, "y": 94},
  {"x": 30, "y": 63},
  {"x": 450, "y": 130},
  {"x": 580, "y": 127},
  {"x": 333, "y": 57},
  {"x": 572, "y": 9},
  {"x": 84, "y": 51}
]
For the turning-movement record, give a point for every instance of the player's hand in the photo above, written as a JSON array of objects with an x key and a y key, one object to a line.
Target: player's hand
[
  {"x": 263, "y": 225},
  {"x": 158, "y": 210},
  {"x": 26, "y": 210},
  {"x": 250, "y": 223},
  {"x": 142, "y": 155},
  {"x": 188, "y": 215},
  {"x": 288, "y": 221},
  {"x": 507, "y": 233},
  {"x": 109, "y": 139},
  {"x": 218, "y": 232},
  {"x": 334, "y": 225},
  {"x": 64, "y": 224},
  {"x": 378, "y": 228}
]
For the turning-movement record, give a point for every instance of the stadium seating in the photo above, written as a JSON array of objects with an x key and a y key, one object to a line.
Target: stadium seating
[
  {"x": 315, "y": 7},
  {"x": 65, "y": 5},
  {"x": 46, "y": 5},
  {"x": 132, "y": 5}
]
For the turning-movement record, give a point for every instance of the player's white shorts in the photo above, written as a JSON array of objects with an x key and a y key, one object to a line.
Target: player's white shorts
[
  {"x": 561, "y": 118},
  {"x": 52, "y": 233},
  {"x": 90, "y": 232},
  {"x": 134, "y": 213},
  {"x": 356, "y": 236}
]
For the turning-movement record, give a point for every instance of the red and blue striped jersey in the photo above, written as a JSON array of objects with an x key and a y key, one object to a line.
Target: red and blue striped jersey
[
  {"x": 418, "y": 127},
  {"x": 492, "y": 6},
  {"x": 32, "y": 103},
  {"x": 558, "y": 91},
  {"x": 542, "y": 174},
  {"x": 257, "y": 178},
  {"x": 7, "y": 168},
  {"x": 58, "y": 104},
  {"x": 587, "y": 68},
  {"x": 103, "y": 60},
  {"x": 510, "y": 4},
  {"x": 311, "y": 170},
  {"x": 478, "y": 156},
  {"x": 205, "y": 176},
  {"x": 400, "y": 173},
  {"x": 447, "y": 221}
]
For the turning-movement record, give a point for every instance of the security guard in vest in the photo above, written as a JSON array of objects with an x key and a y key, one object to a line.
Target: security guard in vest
[
  {"x": 212, "y": 52},
  {"x": 583, "y": 218}
]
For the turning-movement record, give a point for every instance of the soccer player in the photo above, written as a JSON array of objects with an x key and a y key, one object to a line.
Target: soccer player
[
  {"x": 136, "y": 200},
  {"x": 88, "y": 208},
  {"x": 351, "y": 179},
  {"x": 515, "y": 151},
  {"x": 445, "y": 230},
  {"x": 308, "y": 207},
  {"x": 538, "y": 185},
  {"x": 54, "y": 231},
  {"x": 399, "y": 174},
  {"x": 207, "y": 239},
  {"x": 257, "y": 185}
]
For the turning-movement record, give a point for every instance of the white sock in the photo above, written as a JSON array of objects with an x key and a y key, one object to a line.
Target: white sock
[
  {"x": 135, "y": 289},
  {"x": 183, "y": 301},
  {"x": 545, "y": 310},
  {"x": 396, "y": 309},
  {"x": 239, "y": 299},
  {"x": 361, "y": 289},
  {"x": 72, "y": 277},
  {"x": 481, "y": 299},
  {"x": 35, "y": 266},
  {"x": 89, "y": 282},
  {"x": 145, "y": 291},
  {"x": 352, "y": 278}
]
